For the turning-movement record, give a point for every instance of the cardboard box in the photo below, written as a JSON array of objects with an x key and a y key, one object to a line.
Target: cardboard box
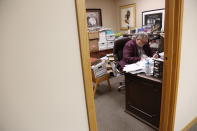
[
  {"x": 110, "y": 37},
  {"x": 99, "y": 69},
  {"x": 110, "y": 44},
  {"x": 102, "y": 45},
  {"x": 93, "y": 45},
  {"x": 102, "y": 36},
  {"x": 93, "y": 35}
]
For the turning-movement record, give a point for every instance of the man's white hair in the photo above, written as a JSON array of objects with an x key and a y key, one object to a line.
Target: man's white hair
[{"x": 142, "y": 35}]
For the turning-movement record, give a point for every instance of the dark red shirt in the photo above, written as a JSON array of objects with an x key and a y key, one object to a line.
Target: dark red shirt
[{"x": 130, "y": 53}]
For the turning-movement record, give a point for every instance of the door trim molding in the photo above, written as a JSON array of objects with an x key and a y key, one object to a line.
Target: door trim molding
[
  {"x": 85, "y": 62},
  {"x": 190, "y": 124},
  {"x": 173, "y": 38}
]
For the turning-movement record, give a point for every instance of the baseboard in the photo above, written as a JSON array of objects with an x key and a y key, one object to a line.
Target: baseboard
[{"x": 189, "y": 125}]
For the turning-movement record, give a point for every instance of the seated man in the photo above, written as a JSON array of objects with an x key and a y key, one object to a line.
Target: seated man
[{"x": 135, "y": 50}]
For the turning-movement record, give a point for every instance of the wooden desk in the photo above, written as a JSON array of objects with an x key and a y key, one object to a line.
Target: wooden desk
[{"x": 143, "y": 98}]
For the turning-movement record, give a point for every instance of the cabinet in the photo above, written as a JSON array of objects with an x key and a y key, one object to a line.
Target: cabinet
[
  {"x": 93, "y": 41},
  {"x": 143, "y": 98},
  {"x": 94, "y": 46},
  {"x": 102, "y": 53}
]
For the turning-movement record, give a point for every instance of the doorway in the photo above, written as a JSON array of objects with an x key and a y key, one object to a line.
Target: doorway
[{"x": 173, "y": 26}]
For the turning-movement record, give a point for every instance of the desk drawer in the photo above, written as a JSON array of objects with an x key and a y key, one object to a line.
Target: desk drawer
[{"x": 150, "y": 119}]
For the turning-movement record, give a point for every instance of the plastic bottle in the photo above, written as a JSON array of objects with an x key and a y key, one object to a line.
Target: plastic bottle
[{"x": 147, "y": 67}]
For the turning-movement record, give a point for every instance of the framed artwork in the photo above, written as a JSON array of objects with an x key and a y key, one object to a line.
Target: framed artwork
[
  {"x": 94, "y": 17},
  {"x": 154, "y": 18},
  {"x": 127, "y": 17}
]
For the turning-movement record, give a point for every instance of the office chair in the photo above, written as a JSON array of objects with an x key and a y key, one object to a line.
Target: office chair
[{"x": 118, "y": 54}]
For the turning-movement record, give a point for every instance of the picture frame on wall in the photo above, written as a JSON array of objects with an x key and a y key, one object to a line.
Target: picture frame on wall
[
  {"x": 128, "y": 17},
  {"x": 94, "y": 18},
  {"x": 154, "y": 18}
]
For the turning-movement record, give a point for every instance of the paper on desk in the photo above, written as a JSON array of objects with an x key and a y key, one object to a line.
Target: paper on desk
[
  {"x": 161, "y": 54},
  {"x": 104, "y": 58},
  {"x": 136, "y": 67},
  {"x": 111, "y": 54},
  {"x": 136, "y": 72},
  {"x": 132, "y": 67},
  {"x": 158, "y": 59},
  {"x": 111, "y": 58}
]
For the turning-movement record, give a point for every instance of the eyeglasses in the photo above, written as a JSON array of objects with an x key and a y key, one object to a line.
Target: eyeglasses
[{"x": 143, "y": 40}]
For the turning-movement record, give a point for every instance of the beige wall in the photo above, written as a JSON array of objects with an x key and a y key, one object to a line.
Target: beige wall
[
  {"x": 186, "y": 102},
  {"x": 108, "y": 9},
  {"x": 111, "y": 10},
  {"x": 41, "y": 85},
  {"x": 141, "y": 5}
]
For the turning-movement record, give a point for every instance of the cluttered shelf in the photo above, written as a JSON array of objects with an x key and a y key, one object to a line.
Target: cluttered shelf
[
  {"x": 101, "y": 53},
  {"x": 101, "y": 42}
]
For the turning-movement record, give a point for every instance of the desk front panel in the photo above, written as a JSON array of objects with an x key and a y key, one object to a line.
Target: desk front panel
[{"x": 143, "y": 98}]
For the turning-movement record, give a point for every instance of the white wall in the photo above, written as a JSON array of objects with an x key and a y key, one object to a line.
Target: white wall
[
  {"x": 41, "y": 85},
  {"x": 186, "y": 109},
  {"x": 141, "y": 5},
  {"x": 108, "y": 9}
]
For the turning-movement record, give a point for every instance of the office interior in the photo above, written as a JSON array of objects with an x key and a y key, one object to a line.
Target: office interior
[{"x": 125, "y": 100}]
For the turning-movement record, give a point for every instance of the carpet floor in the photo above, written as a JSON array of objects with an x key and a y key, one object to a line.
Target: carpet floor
[
  {"x": 110, "y": 109},
  {"x": 193, "y": 128}
]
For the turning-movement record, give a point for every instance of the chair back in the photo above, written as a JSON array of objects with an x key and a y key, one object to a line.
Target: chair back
[{"x": 118, "y": 48}]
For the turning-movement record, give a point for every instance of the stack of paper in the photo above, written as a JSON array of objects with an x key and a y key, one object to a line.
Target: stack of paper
[
  {"x": 136, "y": 67},
  {"x": 133, "y": 68},
  {"x": 161, "y": 55},
  {"x": 104, "y": 58},
  {"x": 108, "y": 55}
]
